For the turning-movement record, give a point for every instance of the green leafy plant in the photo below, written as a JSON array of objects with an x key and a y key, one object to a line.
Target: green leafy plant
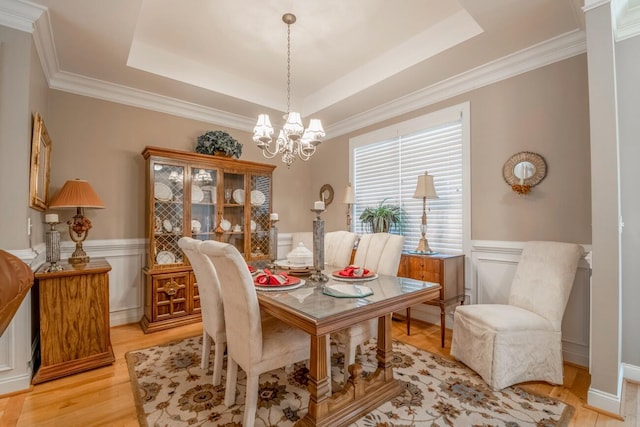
[
  {"x": 218, "y": 141},
  {"x": 383, "y": 218}
]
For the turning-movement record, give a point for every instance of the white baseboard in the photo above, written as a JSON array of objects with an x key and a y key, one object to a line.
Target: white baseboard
[
  {"x": 602, "y": 400},
  {"x": 631, "y": 372}
]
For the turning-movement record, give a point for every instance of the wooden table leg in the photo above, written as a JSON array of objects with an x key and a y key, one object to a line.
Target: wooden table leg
[
  {"x": 442, "y": 324},
  {"x": 359, "y": 395},
  {"x": 318, "y": 380}
]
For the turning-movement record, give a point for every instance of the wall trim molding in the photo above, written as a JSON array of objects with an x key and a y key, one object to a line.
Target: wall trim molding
[
  {"x": 605, "y": 401},
  {"x": 19, "y": 15},
  {"x": 631, "y": 372}
]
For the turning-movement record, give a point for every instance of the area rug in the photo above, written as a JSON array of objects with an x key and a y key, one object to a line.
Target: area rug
[{"x": 171, "y": 389}]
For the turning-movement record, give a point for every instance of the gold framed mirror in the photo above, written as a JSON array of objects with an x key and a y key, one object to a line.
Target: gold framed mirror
[
  {"x": 40, "y": 164},
  {"x": 524, "y": 170},
  {"x": 326, "y": 194}
]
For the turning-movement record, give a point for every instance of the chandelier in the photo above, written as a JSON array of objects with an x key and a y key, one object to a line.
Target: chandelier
[{"x": 293, "y": 139}]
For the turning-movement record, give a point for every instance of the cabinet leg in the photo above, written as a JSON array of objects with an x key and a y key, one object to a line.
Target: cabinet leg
[
  {"x": 408, "y": 320},
  {"x": 442, "y": 324}
]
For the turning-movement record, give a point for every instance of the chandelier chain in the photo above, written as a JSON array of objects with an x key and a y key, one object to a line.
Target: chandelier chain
[{"x": 288, "y": 68}]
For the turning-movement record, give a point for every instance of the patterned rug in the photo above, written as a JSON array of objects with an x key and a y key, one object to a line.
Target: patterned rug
[{"x": 171, "y": 389}]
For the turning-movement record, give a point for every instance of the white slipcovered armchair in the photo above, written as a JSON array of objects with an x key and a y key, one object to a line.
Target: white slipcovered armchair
[{"x": 521, "y": 341}]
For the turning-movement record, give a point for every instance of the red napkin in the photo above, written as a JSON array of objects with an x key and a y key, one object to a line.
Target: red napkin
[
  {"x": 252, "y": 269},
  {"x": 354, "y": 271},
  {"x": 268, "y": 278}
]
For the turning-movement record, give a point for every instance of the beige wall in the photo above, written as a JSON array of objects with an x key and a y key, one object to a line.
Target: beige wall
[
  {"x": 23, "y": 91},
  {"x": 544, "y": 111},
  {"x": 101, "y": 142}
]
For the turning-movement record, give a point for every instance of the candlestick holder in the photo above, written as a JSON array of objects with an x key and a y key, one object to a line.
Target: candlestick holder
[
  {"x": 273, "y": 242},
  {"x": 52, "y": 246},
  {"x": 318, "y": 247}
]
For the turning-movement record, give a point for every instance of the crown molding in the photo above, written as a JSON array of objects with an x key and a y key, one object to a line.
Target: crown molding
[
  {"x": 20, "y": 15},
  {"x": 629, "y": 24},
  {"x": 557, "y": 49}
]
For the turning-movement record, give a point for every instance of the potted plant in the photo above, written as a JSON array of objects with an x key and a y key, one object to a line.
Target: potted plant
[
  {"x": 218, "y": 142},
  {"x": 382, "y": 218}
]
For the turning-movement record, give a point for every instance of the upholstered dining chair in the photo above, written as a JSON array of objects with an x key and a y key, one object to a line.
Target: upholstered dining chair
[
  {"x": 338, "y": 247},
  {"x": 211, "y": 306},
  {"x": 521, "y": 341},
  {"x": 380, "y": 253},
  {"x": 258, "y": 344}
]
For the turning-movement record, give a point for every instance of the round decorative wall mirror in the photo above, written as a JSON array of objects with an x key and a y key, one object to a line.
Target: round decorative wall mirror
[
  {"x": 524, "y": 170},
  {"x": 326, "y": 194}
]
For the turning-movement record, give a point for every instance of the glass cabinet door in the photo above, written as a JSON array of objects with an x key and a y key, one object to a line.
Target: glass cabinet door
[
  {"x": 232, "y": 220},
  {"x": 168, "y": 213},
  {"x": 259, "y": 216},
  {"x": 204, "y": 189}
]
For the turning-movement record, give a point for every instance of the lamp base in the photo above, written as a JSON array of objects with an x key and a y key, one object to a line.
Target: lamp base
[
  {"x": 79, "y": 256},
  {"x": 423, "y": 247},
  {"x": 74, "y": 260},
  {"x": 416, "y": 252}
]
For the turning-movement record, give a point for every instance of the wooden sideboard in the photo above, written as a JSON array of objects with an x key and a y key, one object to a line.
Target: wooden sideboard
[
  {"x": 447, "y": 270},
  {"x": 74, "y": 319}
]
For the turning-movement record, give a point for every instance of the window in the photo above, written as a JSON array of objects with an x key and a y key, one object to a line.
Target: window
[{"x": 385, "y": 165}]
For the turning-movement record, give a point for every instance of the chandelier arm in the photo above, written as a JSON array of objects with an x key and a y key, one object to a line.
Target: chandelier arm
[
  {"x": 267, "y": 153},
  {"x": 304, "y": 156}
]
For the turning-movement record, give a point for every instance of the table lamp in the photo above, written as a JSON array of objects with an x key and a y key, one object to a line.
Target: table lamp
[
  {"x": 77, "y": 194},
  {"x": 424, "y": 190},
  {"x": 349, "y": 199}
]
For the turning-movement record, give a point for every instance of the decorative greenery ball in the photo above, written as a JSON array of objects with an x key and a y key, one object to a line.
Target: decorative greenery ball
[{"x": 218, "y": 140}]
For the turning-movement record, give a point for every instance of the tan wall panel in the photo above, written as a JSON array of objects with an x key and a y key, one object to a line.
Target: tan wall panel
[
  {"x": 544, "y": 111},
  {"x": 101, "y": 142}
]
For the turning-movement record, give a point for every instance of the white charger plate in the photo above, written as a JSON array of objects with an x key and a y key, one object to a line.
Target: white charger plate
[
  {"x": 225, "y": 225},
  {"x": 257, "y": 198},
  {"x": 162, "y": 192},
  {"x": 238, "y": 196},
  {"x": 275, "y": 288},
  {"x": 196, "y": 194},
  {"x": 165, "y": 257}
]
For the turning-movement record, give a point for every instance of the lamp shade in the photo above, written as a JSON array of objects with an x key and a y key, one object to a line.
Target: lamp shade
[
  {"x": 349, "y": 196},
  {"x": 425, "y": 187},
  {"x": 76, "y": 193}
]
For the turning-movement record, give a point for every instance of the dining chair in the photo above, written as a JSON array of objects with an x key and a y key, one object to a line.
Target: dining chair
[
  {"x": 255, "y": 343},
  {"x": 521, "y": 340},
  {"x": 211, "y": 307},
  {"x": 338, "y": 247},
  {"x": 380, "y": 253}
]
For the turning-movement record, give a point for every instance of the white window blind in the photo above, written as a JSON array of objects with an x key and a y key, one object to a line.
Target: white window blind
[{"x": 387, "y": 170}]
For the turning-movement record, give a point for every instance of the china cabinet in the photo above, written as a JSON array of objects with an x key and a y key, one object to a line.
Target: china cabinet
[{"x": 207, "y": 198}]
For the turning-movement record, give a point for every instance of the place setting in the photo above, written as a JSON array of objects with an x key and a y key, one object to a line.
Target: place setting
[
  {"x": 266, "y": 280},
  {"x": 353, "y": 274}
]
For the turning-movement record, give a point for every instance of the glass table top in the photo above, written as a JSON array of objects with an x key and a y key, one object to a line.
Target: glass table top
[{"x": 310, "y": 301}]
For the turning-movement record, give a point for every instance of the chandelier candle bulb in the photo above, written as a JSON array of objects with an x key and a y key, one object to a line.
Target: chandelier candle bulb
[{"x": 51, "y": 218}]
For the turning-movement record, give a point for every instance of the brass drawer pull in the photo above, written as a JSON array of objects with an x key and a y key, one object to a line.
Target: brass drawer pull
[{"x": 171, "y": 288}]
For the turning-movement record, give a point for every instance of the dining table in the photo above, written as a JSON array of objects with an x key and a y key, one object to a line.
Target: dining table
[{"x": 323, "y": 307}]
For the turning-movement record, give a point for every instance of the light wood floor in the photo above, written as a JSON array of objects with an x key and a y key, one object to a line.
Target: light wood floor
[{"x": 103, "y": 397}]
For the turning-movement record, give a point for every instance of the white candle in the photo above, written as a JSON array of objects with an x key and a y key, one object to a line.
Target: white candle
[
  {"x": 319, "y": 205},
  {"x": 51, "y": 218},
  {"x": 274, "y": 216}
]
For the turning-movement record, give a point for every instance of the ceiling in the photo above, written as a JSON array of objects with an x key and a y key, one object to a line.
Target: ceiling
[{"x": 353, "y": 61}]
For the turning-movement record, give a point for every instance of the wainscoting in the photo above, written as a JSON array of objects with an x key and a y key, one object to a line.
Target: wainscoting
[{"x": 489, "y": 270}]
